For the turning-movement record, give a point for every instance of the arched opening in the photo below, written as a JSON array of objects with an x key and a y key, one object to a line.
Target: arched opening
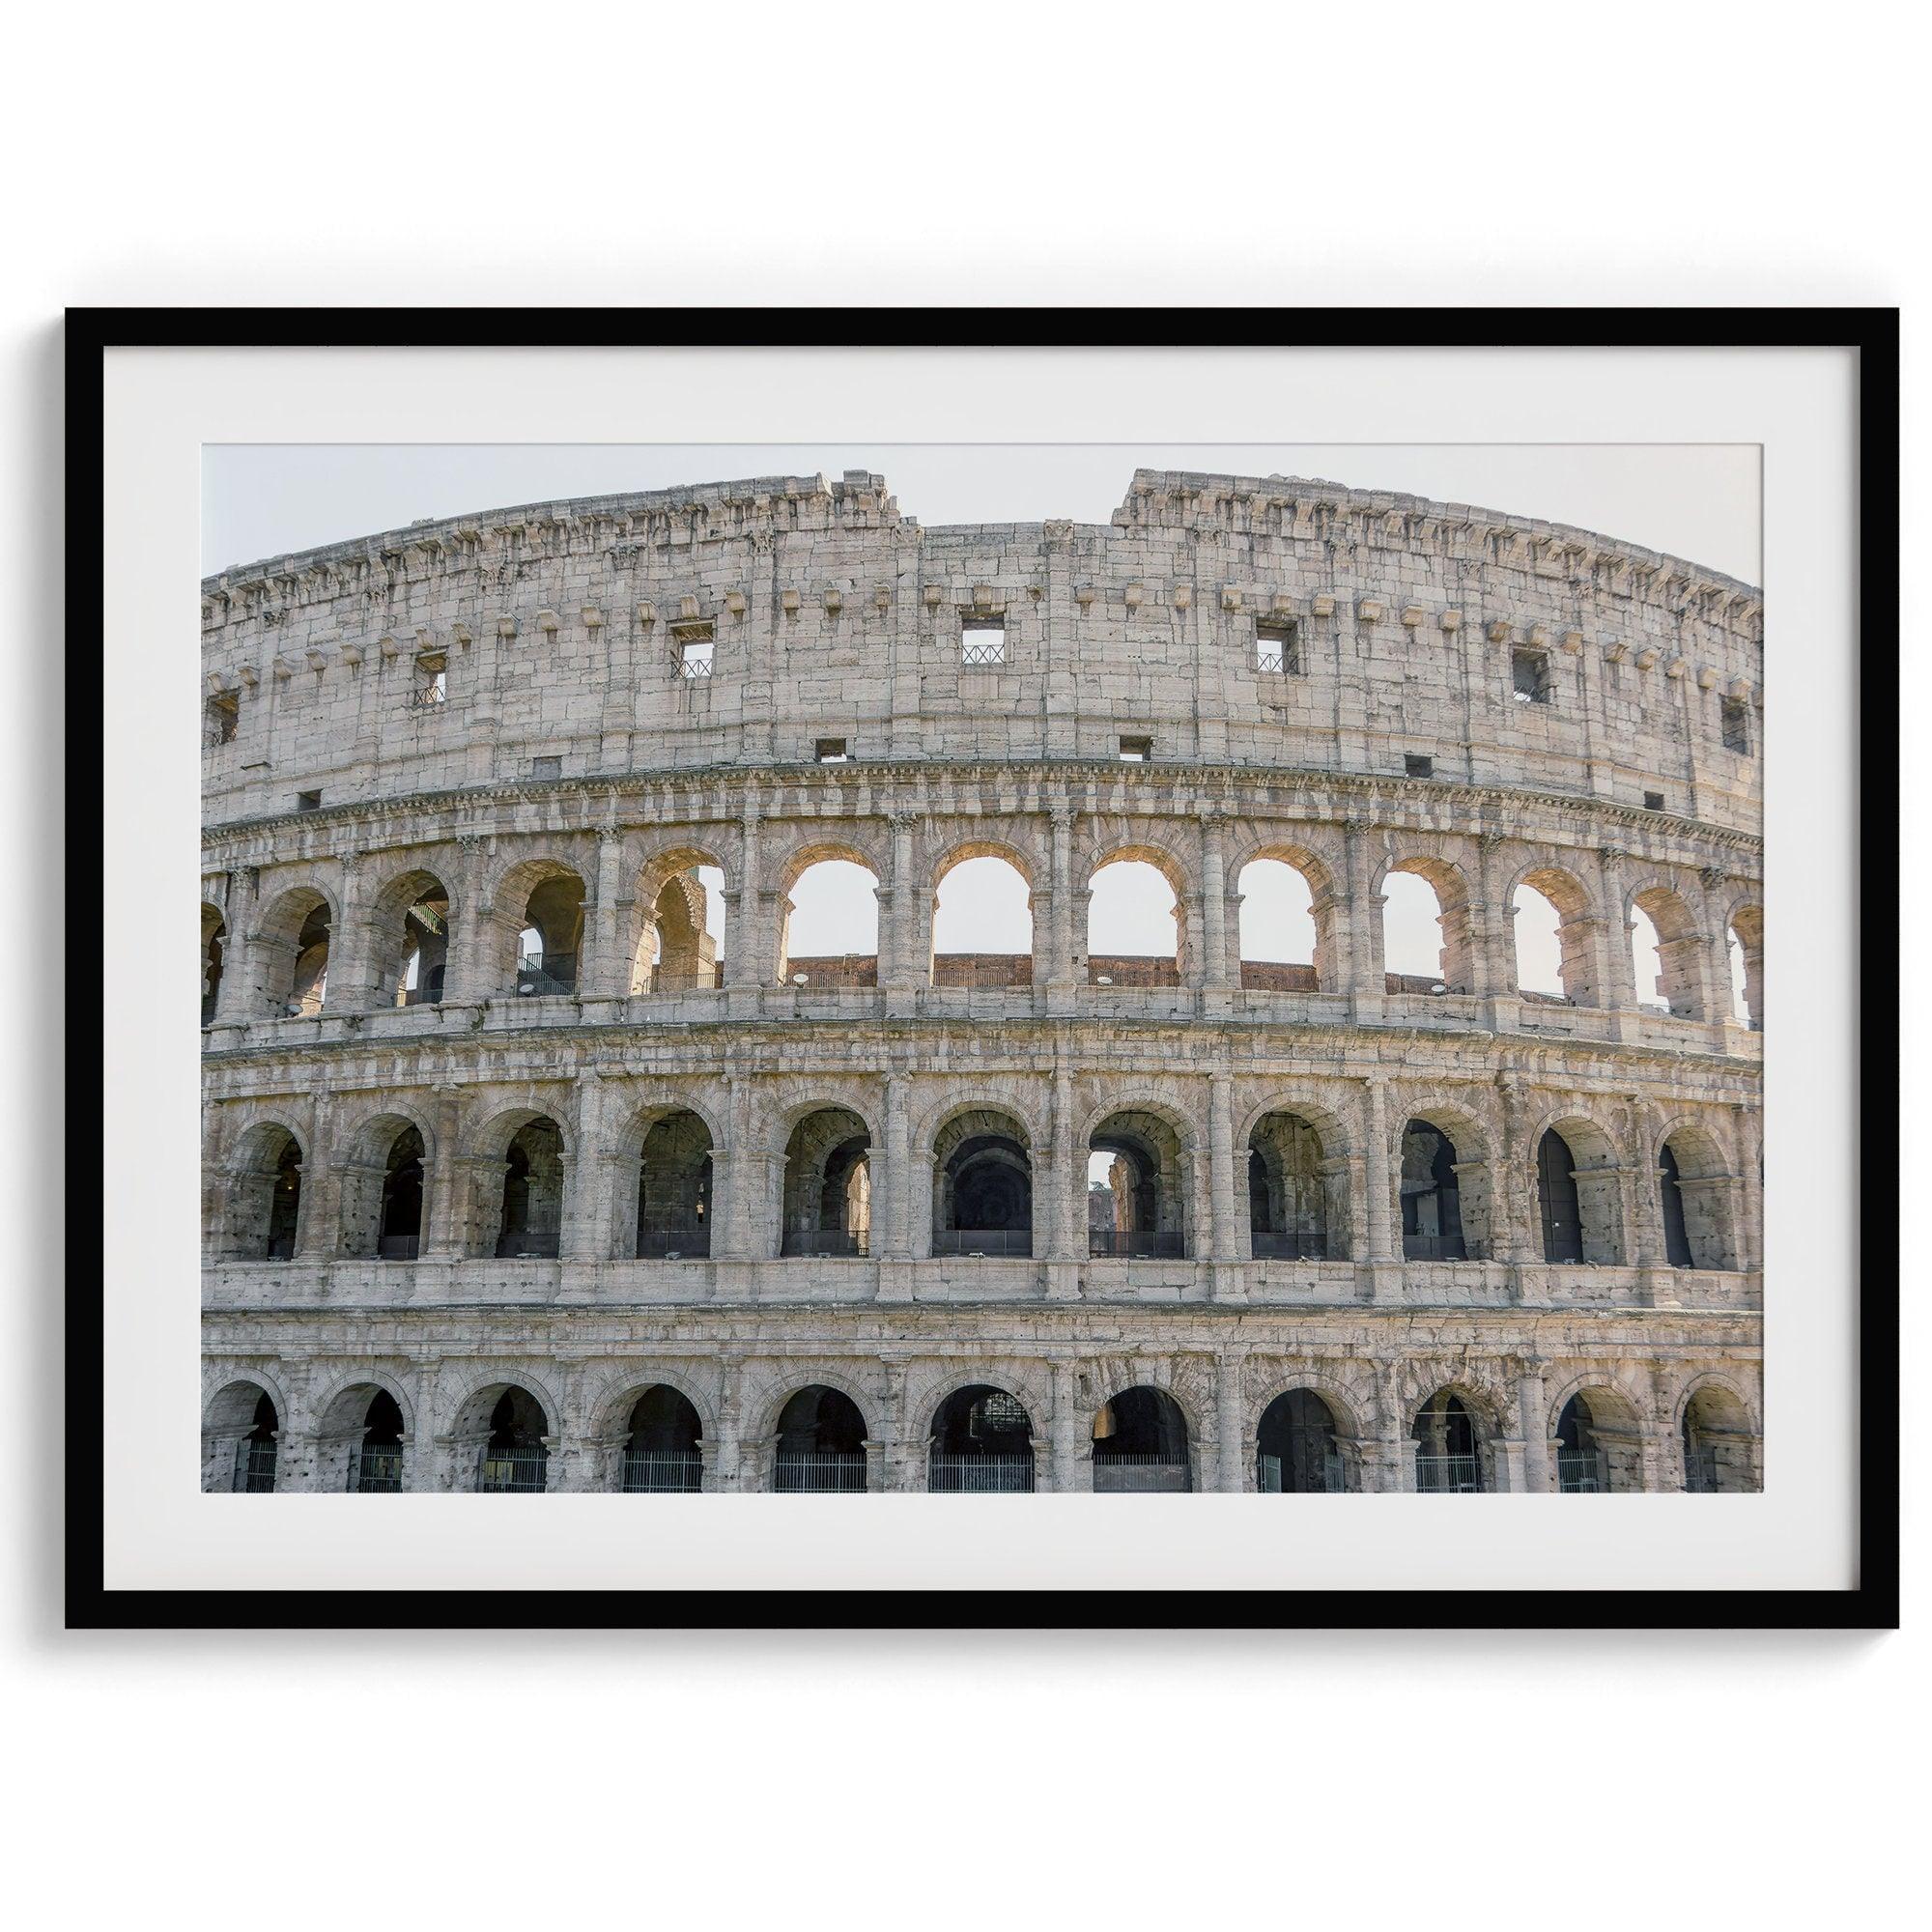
[
  {"x": 982, "y": 924},
  {"x": 681, "y": 949},
  {"x": 1133, "y": 925},
  {"x": 831, "y": 933},
  {"x": 550, "y": 934},
  {"x": 308, "y": 985},
  {"x": 983, "y": 1186},
  {"x": 1425, "y": 937},
  {"x": 982, "y": 1443},
  {"x": 1556, "y": 1196},
  {"x": 1431, "y": 1196},
  {"x": 1556, "y": 939},
  {"x": 399, "y": 1227},
  {"x": 1298, "y": 1448},
  {"x": 1666, "y": 953},
  {"x": 1747, "y": 958},
  {"x": 1599, "y": 1446},
  {"x": 662, "y": 1456},
  {"x": 213, "y": 946},
  {"x": 255, "y": 1464},
  {"x": 1448, "y": 1452},
  {"x": 1291, "y": 1189},
  {"x": 265, "y": 1196},
  {"x": 821, "y": 1445},
  {"x": 1140, "y": 1444},
  {"x": 1281, "y": 947},
  {"x": 377, "y": 1468},
  {"x": 1693, "y": 1186},
  {"x": 674, "y": 1189},
  {"x": 1539, "y": 947},
  {"x": 532, "y": 1200},
  {"x": 1719, "y": 1444},
  {"x": 1136, "y": 1189},
  {"x": 516, "y": 1455},
  {"x": 828, "y": 1185},
  {"x": 422, "y": 944}
]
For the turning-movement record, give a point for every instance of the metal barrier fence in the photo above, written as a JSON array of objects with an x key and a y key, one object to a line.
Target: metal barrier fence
[
  {"x": 512, "y": 1472},
  {"x": 670, "y": 1472},
  {"x": 1268, "y": 1475},
  {"x": 979, "y": 1475},
  {"x": 538, "y": 1245},
  {"x": 1448, "y": 1475},
  {"x": 825, "y": 1241},
  {"x": 822, "y": 1473},
  {"x": 694, "y": 667},
  {"x": 1286, "y": 1247},
  {"x": 1700, "y": 1472},
  {"x": 255, "y": 1469},
  {"x": 1144, "y": 1245},
  {"x": 673, "y": 1244},
  {"x": 1137, "y": 1475},
  {"x": 533, "y": 982},
  {"x": 397, "y": 1247},
  {"x": 1579, "y": 1472},
  {"x": 379, "y": 1471},
  {"x": 983, "y": 1242},
  {"x": 993, "y": 651},
  {"x": 1437, "y": 1248}
]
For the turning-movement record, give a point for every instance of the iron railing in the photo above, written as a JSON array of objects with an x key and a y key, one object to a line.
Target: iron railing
[
  {"x": 255, "y": 1469},
  {"x": 979, "y": 1475},
  {"x": 1268, "y": 1247},
  {"x": 378, "y": 1470},
  {"x": 1139, "y": 1244},
  {"x": 512, "y": 1472},
  {"x": 397, "y": 1247},
  {"x": 983, "y": 1242},
  {"x": 694, "y": 665},
  {"x": 539, "y": 1245},
  {"x": 1700, "y": 1472},
  {"x": 1448, "y": 1475},
  {"x": 281, "y": 1248},
  {"x": 825, "y": 1241},
  {"x": 427, "y": 696},
  {"x": 1275, "y": 658},
  {"x": 820, "y": 1472},
  {"x": 662, "y": 1473},
  {"x": 421, "y": 996},
  {"x": 673, "y": 1244},
  {"x": 1437, "y": 1248},
  {"x": 534, "y": 982},
  {"x": 1579, "y": 1472},
  {"x": 1137, "y": 1475},
  {"x": 1334, "y": 1477},
  {"x": 988, "y": 651}
]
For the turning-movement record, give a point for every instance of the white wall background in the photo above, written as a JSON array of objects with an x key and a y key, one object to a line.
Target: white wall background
[{"x": 227, "y": 154}]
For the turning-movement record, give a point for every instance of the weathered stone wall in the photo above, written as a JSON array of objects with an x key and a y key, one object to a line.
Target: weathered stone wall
[{"x": 834, "y": 617}]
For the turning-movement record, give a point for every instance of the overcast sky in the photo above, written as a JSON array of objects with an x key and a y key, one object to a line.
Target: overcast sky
[{"x": 1695, "y": 501}]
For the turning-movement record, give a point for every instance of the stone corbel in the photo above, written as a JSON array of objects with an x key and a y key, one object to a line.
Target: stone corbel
[
  {"x": 835, "y": 600},
  {"x": 1370, "y": 609},
  {"x": 1083, "y": 595},
  {"x": 1539, "y": 635},
  {"x": 1136, "y": 596},
  {"x": 647, "y": 615},
  {"x": 352, "y": 654},
  {"x": 214, "y": 684},
  {"x": 593, "y": 618},
  {"x": 934, "y": 596},
  {"x": 882, "y": 598},
  {"x": 1674, "y": 669},
  {"x": 285, "y": 669},
  {"x": 547, "y": 622},
  {"x": 1572, "y": 641},
  {"x": 1183, "y": 596},
  {"x": 462, "y": 635},
  {"x": 688, "y": 610},
  {"x": 1230, "y": 598},
  {"x": 1498, "y": 630},
  {"x": 388, "y": 646},
  {"x": 249, "y": 675},
  {"x": 1451, "y": 621},
  {"x": 1646, "y": 659},
  {"x": 1615, "y": 651},
  {"x": 736, "y": 604},
  {"x": 316, "y": 658},
  {"x": 1412, "y": 616},
  {"x": 789, "y": 602},
  {"x": 506, "y": 625},
  {"x": 1707, "y": 679}
]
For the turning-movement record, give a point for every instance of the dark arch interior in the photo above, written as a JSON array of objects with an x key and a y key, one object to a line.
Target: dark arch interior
[
  {"x": 1448, "y": 1454},
  {"x": 377, "y": 1468},
  {"x": 516, "y": 1457},
  {"x": 425, "y": 949},
  {"x": 399, "y": 1232},
  {"x": 982, "y": 1441},
  {"x": 285, "y": 1202},
  {"x": 255, "y": 1454},
  {"x": 1432, "y": 1205},
  {"x": 532, "y": 1192},
  {"x": 1140, "y": 1442},
  {"x": 1676, "y": 1234},
  {"x": 674, "y": 1188},
  {"x": 211, "y": 972},
  {"x": 1297, "y": 1448},
  {"x": 1556, "y": 1194},
  {"x": 986, "y": 1197},
  {"x": 828, "y": 1197},
  {"x": 661, "y": 1452},
  {"x": 1579, "y": 1461},
  {"x": 1136, "y": 1210},
  {"x": 555, "y": 914},
  {"x": 821, "y": 1443},
  {"x": 1288, "y": 1195}
]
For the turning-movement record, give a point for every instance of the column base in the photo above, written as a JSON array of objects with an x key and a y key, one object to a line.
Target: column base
[
  {"x": 1228, "y": 1281},
  {"x": 1379, "y": 1280},
  {"x": 896, "y": 1277},
  {"x": 1062, "y": 1280}
]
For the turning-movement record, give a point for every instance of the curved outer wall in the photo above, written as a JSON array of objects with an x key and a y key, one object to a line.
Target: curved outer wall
[{"x": 569, "y": 737}]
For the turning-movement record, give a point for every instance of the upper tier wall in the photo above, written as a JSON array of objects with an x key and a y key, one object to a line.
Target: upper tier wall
[{"x": 836, "y": 617}]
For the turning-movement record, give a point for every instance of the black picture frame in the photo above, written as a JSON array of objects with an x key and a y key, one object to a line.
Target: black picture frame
[{"x": 1872, "y": 333}]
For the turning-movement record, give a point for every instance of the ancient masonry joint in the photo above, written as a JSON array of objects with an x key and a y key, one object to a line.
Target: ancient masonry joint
[{"x": 515, "y": 1179}]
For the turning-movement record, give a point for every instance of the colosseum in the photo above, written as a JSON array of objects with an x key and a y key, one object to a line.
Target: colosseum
[{"x": 536, "y": 1158}]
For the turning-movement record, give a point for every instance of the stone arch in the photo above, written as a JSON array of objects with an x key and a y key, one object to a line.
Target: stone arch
[
  {"x": 1449, "y": 1457},
  {"x": 1680, "y": 949},
  {"x": 548, "y": 894},
  {"x": 233, "y": 1457},
  {"x": 1435, "y": 1233},
  {"x": 1304, "y": 1442},
  {"x": 1694, "y": 1181},
  {"x": 1745, "y": 925},
  {"x": 344, "y": 1460},
  {"x": 1446, "y": 879},
  {"x": 670, "y": 902},
  {"x": 499, "y": 1443},
  {"x": 1015, "y": 853},
  {"x": 291, "y": 947},
  {"x": 850, "y": 969},
  {"x": 268, "y": 1188},
  {"x": 1164, "y": 966},
  {"x": 609, "y": 1413},
  {"x": 982, "y": 1174},
  {"x": 1596, "y": 1179},
  {"x": 979, "y": 1439},
  {"x": 1600, "y": 1440},
  {"x": 334, "y": 1405},
  {"x": 1718, "y": 1435},
  {"x": 664, "y": 1193},
  {"x": 1032, "y": 1394},
  {"x": 1324, "y": 968},
  {"x": 364, "y": 1182},
  {"x": 409, "y": 920},
  {"x": 763, "y": 1408},
  {"x": 1153, "y": 1211},
  {"x": 827, "y": 1181},
  {"x": 515, "y": 1204},
  {"x": 1354, "y": 1409},
  {"x": 978, "y": 965},
  {"x": 1143, "y": 1439},
  {"x": 1579, "y": 927},
  {"x": 214, "y": 943},
  {"x": 1297, "y": 1183},
  {"x": 855, "y": 842}
]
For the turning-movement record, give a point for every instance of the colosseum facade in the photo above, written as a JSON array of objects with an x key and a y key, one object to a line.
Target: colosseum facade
[{"x": 513, "y": 1179}]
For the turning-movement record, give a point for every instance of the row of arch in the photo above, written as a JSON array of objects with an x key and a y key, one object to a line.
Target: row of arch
[
  {"x": 1301, "y": 1197},
  {"x": 979, "y": 1437},
  {"x": 1290, "y": 932}
]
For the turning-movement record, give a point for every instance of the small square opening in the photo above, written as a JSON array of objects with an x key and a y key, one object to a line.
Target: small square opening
[
  {"x": 830, "y": 752},
  {"x": 982, "y": 642},
  {"x": 308, "y": 801},
  {"x": 432, "y": 684},
  {"x": 547, "y": 768},
  {"x": 1653, "y": 800},
  {"x": 225, "y": 717},
  {"x": 1136, "y": 751},
  {"x": 1529, "y": 677},
  {"x": 692, "y": 644},
  {"x": 1278, "y": 648},
  {"x": 1737, "y": 725},
  {"x": 1418, "y": 766}
]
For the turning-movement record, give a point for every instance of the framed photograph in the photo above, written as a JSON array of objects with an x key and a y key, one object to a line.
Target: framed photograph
[{"x": 1162, "y": 968}]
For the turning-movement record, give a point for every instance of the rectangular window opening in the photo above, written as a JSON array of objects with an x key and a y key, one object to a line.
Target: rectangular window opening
[
  {"x": 1418, "y": 766},
  {"x": 1278, "y": 648},
  {"x": 225, "y": 717},
  {"x": 1136, "y": 751},
  {"x": 547, "y": 768},
  {"x": 432, "y": 684},
  {"x": 1653, "y": 800},
  {"x": 982, "y": 640},
  {"x": 1529, "y": 672},
  {"x": 694, "y": 656},
  {"x": 830, "y": 752},
  {"x": 308, "y": 801},
  {"x": 1737, "y": 725}
]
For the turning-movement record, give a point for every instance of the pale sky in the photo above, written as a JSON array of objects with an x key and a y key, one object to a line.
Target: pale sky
[{"x": 1698, "y": 501}]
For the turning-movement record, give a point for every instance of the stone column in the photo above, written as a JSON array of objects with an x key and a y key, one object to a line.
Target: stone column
[
  {"x": 469, "y": 974},
  {"x": 609, "y": 976},
  {"x": 1060, "y": 965},
  {"x": 1619, "y": 985},
  {"x": 1491, "y": 927},
  {"x": 1234, "y": 1458},
  {"x": 1750, "y": 1192},
  {"x": 1532, "y": 1403},
  {"x": 1213, "y": 904},
  {"x": 1646, "y": 1206},
  {"x": 728, "y": 1471},
  {"x": 900, "y": 965},
  {"x": 1376, "y": 1166},
  {"x": 748, "y": 964},
  {"x": 231, "y": 996},
  {"x": 318, "y": 1211},
  {"x": 583, "y": 1235},
  {"x": 1513, "y": 1193},
  {"x": 1068, "y": 1450},
  {"x": 1717, "y": 928},
  {"x": 897, "y": 1191},
  {"x": 738, "y": 1222},
  {"x": 1224, "y": 1244},
  {"x": 1360, "y": 911},
  {"x": 353, "y": 968}
]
